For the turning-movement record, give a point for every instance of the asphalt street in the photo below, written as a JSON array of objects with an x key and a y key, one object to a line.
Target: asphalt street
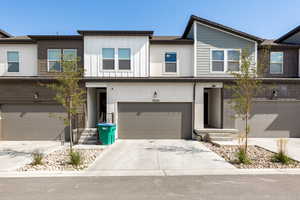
[{"x": 275, "y": 187}]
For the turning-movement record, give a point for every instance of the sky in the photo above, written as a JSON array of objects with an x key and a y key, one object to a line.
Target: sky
[{"x": 263, "y": 18}]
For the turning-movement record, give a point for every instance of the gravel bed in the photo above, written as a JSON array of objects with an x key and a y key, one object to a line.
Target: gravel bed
[
  {"x": 260, "y": 157},
  {"x": 59, "y": 161}
]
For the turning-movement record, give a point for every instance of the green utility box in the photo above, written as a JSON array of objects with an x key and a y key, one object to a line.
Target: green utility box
[{"x": 106, "y": 133}]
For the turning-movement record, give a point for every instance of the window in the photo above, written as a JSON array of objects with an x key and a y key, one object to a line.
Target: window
[
  {"x": 233, "y": 63},
  {"x": 218, "y": 61},
  {"x": 276, "y": 62},
  {"x": 171, "y": 62},
  {"x": 225, "y": 60},
  {"x": 108, "y": 55},
  {"x": 54, "y": 60},
  {"x": 70, "y": 54},
  {"x": 55, "y": 57},
  {"x": 13, "y": 61},
  {"x": 124, "y": 59}
]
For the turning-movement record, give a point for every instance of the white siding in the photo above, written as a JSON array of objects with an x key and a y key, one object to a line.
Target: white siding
[
  {"x": 185, "y": 59},
  {"x": 139, "y": 46},
  {"x": 27, "y": 59}
]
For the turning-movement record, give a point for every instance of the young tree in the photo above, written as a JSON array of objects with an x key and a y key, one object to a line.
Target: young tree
[
  {"x": 68, "y": 91},
  {"x": 245, "y": 88}
]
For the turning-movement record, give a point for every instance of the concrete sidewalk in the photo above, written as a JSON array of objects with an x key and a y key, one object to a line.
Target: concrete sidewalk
[{"x": 16, "y": 154}]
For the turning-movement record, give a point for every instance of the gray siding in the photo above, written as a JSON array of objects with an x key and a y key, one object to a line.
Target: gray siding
[
  {"x": 209, "y": 38},
  {"x": 270, "y": 117},
  {"x": 294, "y": 39}
]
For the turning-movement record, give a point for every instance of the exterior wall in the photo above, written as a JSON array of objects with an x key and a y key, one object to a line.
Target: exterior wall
[
  {"x": 290, "y": 62},
  {"x": 139, "y": 46},
  {"x": 185, "y": 65},
  {"x": 23, "y": 92},
  {"x": 294, "y": 39},
  {"x": 91, "y": 107},
  {"x": 27, "y": 59},
  {"x": 271, "y": 117},
  {"x": 44, "y": 45},
  {"x": 209, "y": 38}
]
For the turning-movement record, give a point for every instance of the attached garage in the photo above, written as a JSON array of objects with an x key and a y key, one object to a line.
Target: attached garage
[
  {"x": 155, "y": 120},
  {"x": 31, "y": 122}
]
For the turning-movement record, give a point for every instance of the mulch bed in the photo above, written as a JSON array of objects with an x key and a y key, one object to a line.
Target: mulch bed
[
  {"x": 59, "y": 161},
  {"x": 260, "y": 157}
]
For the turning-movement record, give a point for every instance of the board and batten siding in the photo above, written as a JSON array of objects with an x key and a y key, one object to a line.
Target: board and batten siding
[
  {"x": 185, "y": 64},
  {"x": 210, "y": 38},
  {"x": 139, "y": 48},
  {"x": 27, "y": 59}
]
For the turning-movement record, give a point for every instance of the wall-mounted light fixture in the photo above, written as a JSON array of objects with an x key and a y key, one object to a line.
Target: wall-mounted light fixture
[
  {"x": 36, "y": 96},
  {"x": 274, "y": 93},
  {"x": 155, "y": 95}
]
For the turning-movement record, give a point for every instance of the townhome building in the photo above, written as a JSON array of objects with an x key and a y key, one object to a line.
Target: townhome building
[{"x": 151, "y": 87}]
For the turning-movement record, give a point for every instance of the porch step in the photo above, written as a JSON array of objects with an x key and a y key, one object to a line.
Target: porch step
[
  {"x": 88, "y": 136},
  {"x": 218, "y": 138}
]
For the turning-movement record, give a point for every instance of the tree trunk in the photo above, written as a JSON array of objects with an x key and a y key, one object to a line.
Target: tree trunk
[
  {"x": 70, "y": 126},
  {"x": 246, "y": 136}
]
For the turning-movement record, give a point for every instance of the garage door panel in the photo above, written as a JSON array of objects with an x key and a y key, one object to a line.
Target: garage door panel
[
  {"x": 154, "y": 120},
  {"x": 32, "y": 122}
]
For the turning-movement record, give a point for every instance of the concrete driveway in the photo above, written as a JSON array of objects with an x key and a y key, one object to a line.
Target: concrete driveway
[
  {"x": 15, "y": 154},
  {"x": 144, "y": 156}
]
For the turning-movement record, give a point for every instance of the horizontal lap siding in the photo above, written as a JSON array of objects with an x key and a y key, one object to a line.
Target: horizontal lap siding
[{"x": 209, "y": 38}]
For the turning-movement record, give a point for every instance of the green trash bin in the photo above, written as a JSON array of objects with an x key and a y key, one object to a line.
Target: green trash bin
[{"x": 106, "y": 133}]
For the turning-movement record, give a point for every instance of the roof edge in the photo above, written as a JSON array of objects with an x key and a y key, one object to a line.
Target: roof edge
[
  {"x": 218, "y": 26},
  {"x": 116, "y": 32}
]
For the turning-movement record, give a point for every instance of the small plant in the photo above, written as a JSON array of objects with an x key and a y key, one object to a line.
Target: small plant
[
  {"x": 37, "y": 158},
  {"x": 242, "y": 156},
  {"x": 75, "y": 158},
  {"x": 281, "y": 156}
]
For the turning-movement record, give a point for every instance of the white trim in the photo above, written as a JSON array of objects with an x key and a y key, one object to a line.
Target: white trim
[
  {"x": 282, "y": 63},
  {"x": 255, "y": 61},
  {"x": 195, "y": 49},
  {"x": 48, "y": 69},
  {"x": 164, "y": 65},
  {"x": 226, "y": 32},
  {"x": 116, "y": 61},
  {"x": 16, "y": 51},
  {"x": 225, "y": 60}
]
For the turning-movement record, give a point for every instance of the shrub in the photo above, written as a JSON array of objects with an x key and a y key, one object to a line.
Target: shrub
[
  {"x": 281, "y": 156},
  {"x": 75, "y": 158},
  {"x": 37, "y": 158},
  {"x": 242, "y": 156}
]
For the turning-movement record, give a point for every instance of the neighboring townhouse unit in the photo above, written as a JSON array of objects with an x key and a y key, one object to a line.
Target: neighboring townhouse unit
[{"x": 152, "y": 87}]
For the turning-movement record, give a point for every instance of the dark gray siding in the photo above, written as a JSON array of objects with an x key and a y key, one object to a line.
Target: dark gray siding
[
  {"x": 290, "y": 62},
  {"x": 44, "y": 45},
  {"x": 271, "y": 116},
  {"x": 294, "y": 39}
]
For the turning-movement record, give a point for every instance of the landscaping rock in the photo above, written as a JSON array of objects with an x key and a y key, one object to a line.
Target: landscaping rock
[
  {"x": 60, "y": 161},
  {"x": 260, "y": 157}
]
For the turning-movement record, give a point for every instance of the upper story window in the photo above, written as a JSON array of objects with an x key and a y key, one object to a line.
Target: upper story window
[
  {"x": 276, "y": 62},
  {"x": 171, "y": 62},
  {"x": 124, "y": 58},
  {"x": 225, "y": 60},
  {"x": 108, "y": 55},
  {"x": 218, "y": 58},
  {"x": 233, "y": 61},
  {"x": 13, "y": 61},
  {"x": 55, "y": 57}
]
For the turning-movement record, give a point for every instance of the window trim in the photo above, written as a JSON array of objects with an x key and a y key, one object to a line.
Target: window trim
[
  {"x": 164, "y": 67},
  {"x": 48, "y": 66},
  {"x": 130, "y": 59},
  {"x": 225, "y": 60},
  {"x": 102, "y": 59},
  {"x": 282, "y": 63},
  {"x": 63, "y": 52},
  {"x": 13, "y": 51}
]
